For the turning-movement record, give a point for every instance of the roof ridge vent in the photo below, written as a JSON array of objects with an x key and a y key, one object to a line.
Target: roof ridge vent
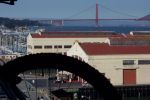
[
  {"x": 40, "y": 33},
  {"x": 124, "y": 35}
]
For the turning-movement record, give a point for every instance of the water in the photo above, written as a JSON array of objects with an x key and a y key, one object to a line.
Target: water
[
  {"x": 119, "y": 26},
  {"x": 118, "y": 29},
  {"x": 107, "y": 22}
]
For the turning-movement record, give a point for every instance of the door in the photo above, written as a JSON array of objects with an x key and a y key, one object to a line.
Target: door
[{"x": 129, "y": 76}]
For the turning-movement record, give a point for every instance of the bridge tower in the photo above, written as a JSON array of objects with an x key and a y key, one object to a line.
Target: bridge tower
[{"x": 97, "y": 14}]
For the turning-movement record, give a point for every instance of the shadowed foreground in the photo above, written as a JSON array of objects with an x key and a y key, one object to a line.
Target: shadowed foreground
[{"x": 10, "y": 71}]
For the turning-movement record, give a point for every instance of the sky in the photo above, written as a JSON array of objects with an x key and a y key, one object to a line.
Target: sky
[{"x": 76, "y": 9}]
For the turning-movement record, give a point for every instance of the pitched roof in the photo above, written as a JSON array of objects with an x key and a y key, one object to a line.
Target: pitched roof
[
  {"x": 74, "y": 34},
  {"x": 131, "y": 38},
  {"x": 140, "y": 33},
  {"x": 106, "y": 49}
]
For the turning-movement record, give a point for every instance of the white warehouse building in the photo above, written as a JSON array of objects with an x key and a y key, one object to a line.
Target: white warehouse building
[
  {"x": 60, "y": 42},
  {"x": 122, "y": 65}
]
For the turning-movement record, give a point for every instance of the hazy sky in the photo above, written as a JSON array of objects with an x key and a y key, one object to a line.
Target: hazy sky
[{"x": 76, "y": 9}]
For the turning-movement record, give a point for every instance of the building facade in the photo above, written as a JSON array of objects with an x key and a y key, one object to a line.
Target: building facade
[
  {"x": 60, "y": 42},
  {"x": 7, "y": 57},
  {"x": 123, "y": 59},
  {"x": 122, "y": 65}
]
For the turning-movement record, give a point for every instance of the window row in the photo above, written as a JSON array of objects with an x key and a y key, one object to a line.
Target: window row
[
  {"x": 49, "y": 46},
  {"x": 132, "y": 62},
  {"x": 140, "y": 62}
]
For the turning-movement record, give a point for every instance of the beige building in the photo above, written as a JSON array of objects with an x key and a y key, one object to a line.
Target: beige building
[
  {"x": 123, "y": 59},
  {"x": 8, "y": 57},
  {"x": 60, "y": 42},
  {"x": 122, "y": 65}
]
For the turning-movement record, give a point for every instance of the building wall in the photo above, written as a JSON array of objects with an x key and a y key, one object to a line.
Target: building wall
[
  {"x": 29, "y": 44},
  {"x": 109, "y": 66},
  {"x": 112, "y": 66},
  {"x": 76, "y": 50},
  {"x": 8, "y": 57},
  {"x": 143, "y": 73}
]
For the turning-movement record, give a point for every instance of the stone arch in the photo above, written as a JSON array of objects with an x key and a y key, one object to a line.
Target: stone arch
[{"x": 62, "y": 62}]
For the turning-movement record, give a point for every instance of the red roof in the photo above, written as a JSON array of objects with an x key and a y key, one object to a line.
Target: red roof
[
  {"x": 131, "y": 38},
  {"x": 141, "y": 32},
  {"x": 106, "y": 49},
  {"x": 75, "y": 34}
]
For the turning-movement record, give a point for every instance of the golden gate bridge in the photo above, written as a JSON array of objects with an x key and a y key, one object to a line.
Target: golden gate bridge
[{"x": 60, "y": 22}]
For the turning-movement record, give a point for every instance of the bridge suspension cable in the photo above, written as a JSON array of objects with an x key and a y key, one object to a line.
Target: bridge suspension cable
[
  {"x": 117, "y": 12},
  {"x": 81, "y": 12},
  {"x": 101, "y": 6}
]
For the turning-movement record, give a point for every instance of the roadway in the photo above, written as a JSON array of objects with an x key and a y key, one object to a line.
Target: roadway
[{"x": 41, "y": 86}]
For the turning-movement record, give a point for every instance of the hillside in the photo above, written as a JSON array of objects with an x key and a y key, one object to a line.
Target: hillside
[
  {"x": 147, "y": 17},
  {"x": 12, "y": 23}
]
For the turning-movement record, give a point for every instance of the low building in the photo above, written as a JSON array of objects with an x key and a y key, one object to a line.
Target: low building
[
  {"x": 129, "y": 40},
  {"x": 60, "y": 42},
  {"x": 140, "y": 33},
  {"x": 122, "y": 65},
  {"x": 7, "y": 57}
]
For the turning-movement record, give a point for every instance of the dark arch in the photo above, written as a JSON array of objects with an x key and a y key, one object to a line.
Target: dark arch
[{"x": 58, "y": 61}]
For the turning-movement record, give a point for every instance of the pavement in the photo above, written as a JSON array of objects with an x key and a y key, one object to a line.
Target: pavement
[
  {"x": 38, "y": 86},
  {"x": 32, "y": 92}
]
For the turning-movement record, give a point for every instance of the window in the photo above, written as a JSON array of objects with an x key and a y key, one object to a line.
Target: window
[
  {"x": 128, "y": 62},
  {"x": 143, "y": 62},
  {"x": 37, "y": 47},
  {"x": 57, "y": 46},
  {"x": 47, "y": 46},
  {"x": 67, "y": 46}
]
